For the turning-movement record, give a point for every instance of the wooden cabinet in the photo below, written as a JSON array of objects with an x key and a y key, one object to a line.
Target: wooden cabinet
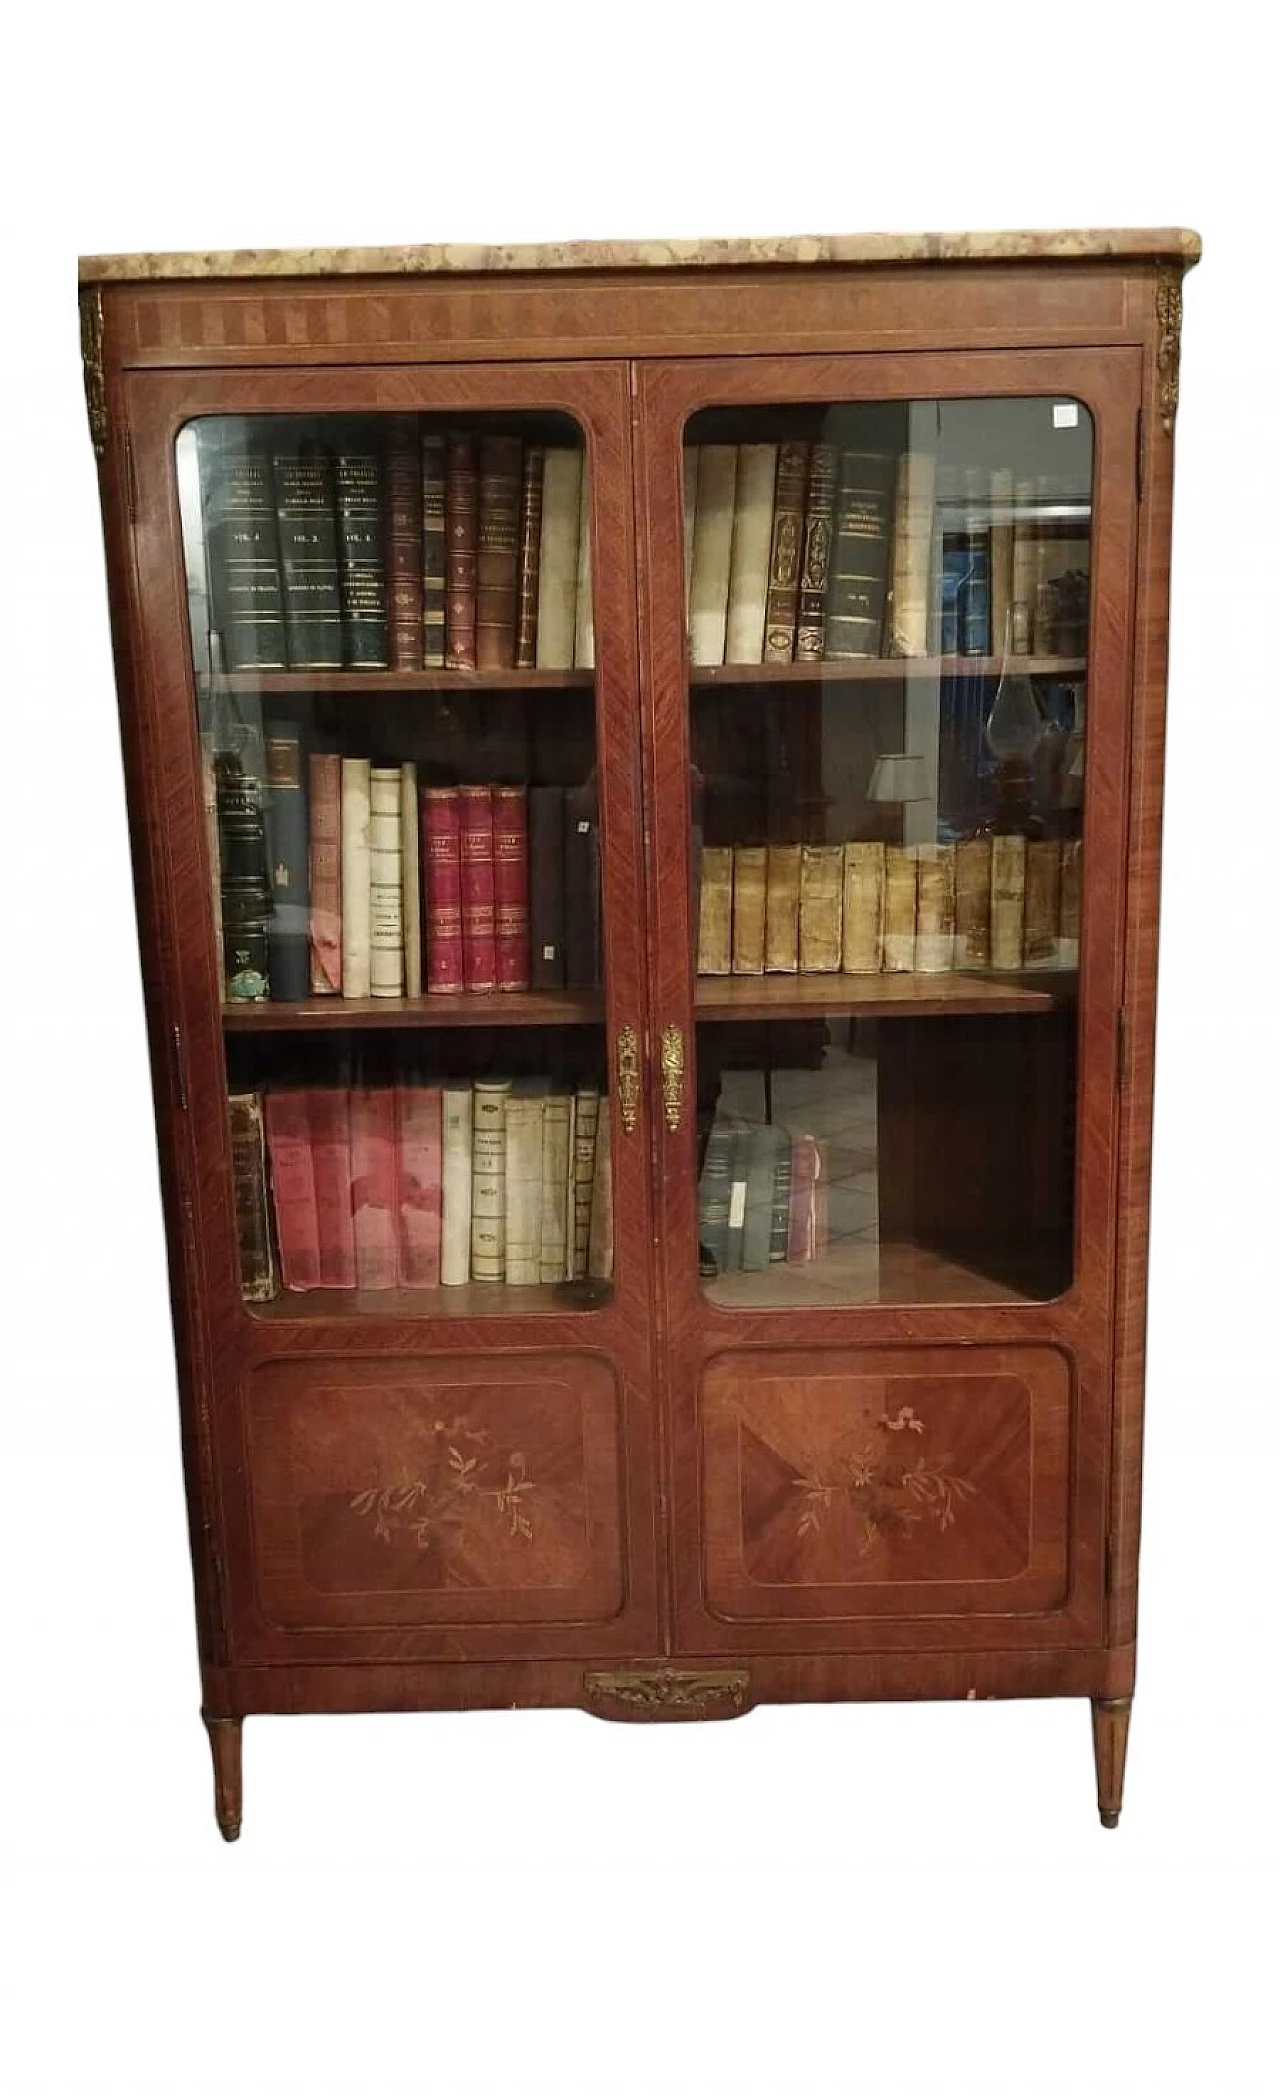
[{"x": 792, "y": 616}]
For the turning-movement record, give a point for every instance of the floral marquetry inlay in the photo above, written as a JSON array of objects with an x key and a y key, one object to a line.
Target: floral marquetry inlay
[
  {"x": 464, "y": 1475},
  {"x": 884, "y": 1471}
]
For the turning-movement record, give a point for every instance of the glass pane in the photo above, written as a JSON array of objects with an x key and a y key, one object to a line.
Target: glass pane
[
  {"x": 392, "y": 636},
  {"x": 887, "y": 615}
]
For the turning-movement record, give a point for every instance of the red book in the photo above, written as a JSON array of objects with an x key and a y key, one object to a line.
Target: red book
[
  {"x": 327, "y": 1117},
  {"x": 442, "y": 882},
  {"x": 374, "y": 1200},
  {"x": 293, "y": 1189},
  {"x": 479, "y": 941},
  {"x": 511, "y": 886},
  {"x": 462, "y": 529},
  {"x": 324, "y": 871},
  {"x": 802, "y": 1221},
  {"x": 404, "y": 543},
  {"x": 418, "y": 1124}
]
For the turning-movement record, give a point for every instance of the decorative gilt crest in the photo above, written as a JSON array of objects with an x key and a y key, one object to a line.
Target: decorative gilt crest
[
  {"x": 684, "y": 1693},
  {"x": 628, "y": 1062},
  {"x": 672, "y": 1075},
  {"x": 1169, "y": 346},
  {"x": 95, "y": 380}
]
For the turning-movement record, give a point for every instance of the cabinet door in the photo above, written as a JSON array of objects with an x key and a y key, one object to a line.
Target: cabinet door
[
  {"x": 887, "y": 608},
  {"x": 390, "y": 692}
]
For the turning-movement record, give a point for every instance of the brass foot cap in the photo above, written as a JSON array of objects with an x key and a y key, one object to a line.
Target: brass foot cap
[
  {"x": 229, "y": 1831},
  {"x": 1110, "y": 1816}
]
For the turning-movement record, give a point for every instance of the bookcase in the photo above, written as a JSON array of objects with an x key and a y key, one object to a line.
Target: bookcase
[{"x": 644, "y": 769}]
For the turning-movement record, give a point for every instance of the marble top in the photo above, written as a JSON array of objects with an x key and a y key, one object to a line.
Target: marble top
[{"x": 1173, "y": 243}]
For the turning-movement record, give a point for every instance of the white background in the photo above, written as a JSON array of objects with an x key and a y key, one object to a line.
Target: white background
[{"x": 875, "y": 1899}]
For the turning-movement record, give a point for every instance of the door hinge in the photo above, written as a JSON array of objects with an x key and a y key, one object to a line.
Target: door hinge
[
  {"x": 179, "y": 1078},
  {"x": 1140, "y": 467}
]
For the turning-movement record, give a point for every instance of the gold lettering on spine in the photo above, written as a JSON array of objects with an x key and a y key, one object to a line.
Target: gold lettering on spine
[
  {"x": 1169, "y": 347},
  {"x": 95, "y": 381}
]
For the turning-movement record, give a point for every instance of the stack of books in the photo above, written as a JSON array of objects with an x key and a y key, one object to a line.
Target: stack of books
[{"x": 762, "y": 1197}]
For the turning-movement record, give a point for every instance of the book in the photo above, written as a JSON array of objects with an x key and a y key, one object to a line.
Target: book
[
  {"x": 600, "y": 1236},
  {"x": 293, "y": 1189},
  {"x": 715, "y": 1183},
  {"x": 246, "y": 891},
  {"x": 355, "y": 877},
  {"x": 821, "y": 899},
  {"x": 324, "y": 872},
  {"x": 1008, "y": 900},
  {"x": 898, "y": 941},
  {"x": 462, "y": 525},
  {"x": 362, "y": 562},
  {"x": 237, "y": 500},
  {"x": 712, "y": 548},
  {"x": 766, "y": 1145},
  {"x": 1001, "y": 549},
  {"x": 689, "y": 483},
  {"x": 386, "y": 891},
  {"x": 209, "y": 799},
  {"x": 535, "y": 458},
  {"x": 249, "y": 1180},
  {"x": 511, "y": 887},
  {"x": 1041, "y": 904},
  {"x": 912, "y": 556},
  {"x": 584, "y": 632},
  {"x": 819, "y": 506},
  {"x": 749, "y": 553},
  {"x": 750, "y": 870},
  {"x": 802, "y": 1219},
  {"x": 455, "y": 1184},
  {"x": 785, "y": 553},
  {"x": 498, "y": 551},
  {"x": 546, "y": 888},
  {"x": 862, "y": 930},
  {"x": 289, "y": 927},
  {"x": 489, "y": 1179},
  {"x": 410, "y": 880},
  {"x": 715, "y": 910},
  {"x": 375, "y": 1200},
  {"x": 1024, "y": 567},
  {"x": 435, "y": 549},
  {"x": 307, "y": 531},
  {"x": 556, "y": 1216},
  {"x": 780, "y": 1204},
  {"x": 974, "y": 607},
  {"x": 558, "y": 557},
  {"x": 404, "y": 543},
  {"x": 739, "y": 1162},
  {"x": 442, "y": 884},
  {"x": 479, "y": 937},
  {"x": 782, "y": 910},
  {"x": 973, "y": 904},
  {"x": 586, "y": 1117},
  {"x": 581, "y": 888},
  {"x": 328, "y": 1120},
  {"x": 1069, "y": 906},
  {"x": 418, "y": 1183},
  {"x": 858, "y": 572},
  {"x": 935, "y": 908},
  {"x": 522, "y": 1229}
]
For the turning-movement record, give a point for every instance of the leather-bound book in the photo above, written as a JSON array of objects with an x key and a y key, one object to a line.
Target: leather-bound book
[
  {"x": 209, "y": 798},
  {"x": 815, "y": 565},
  {"x": 821, "y": 907},
  {"x": 974, "y": 608},
  {"x": 584, "y": 623},
  {"x": 715, "y": 911},
  {"x": 324, "y": 867},
  {"x": 289, "y": 929},
  {"x": 715, "y": 1183},
  {"x": 935, "y": 908},
  {"x": 802, "y": 1222},
  {"x": 386, "y": 884},
  {"x": 375, "y": 1199},
  {"x": 858, "y": 577},
  {"x": 586, "y": 1118},
  {"x": 581, "y": 887},
  {"x": 535, "y": 460},
  {"x": 442, "y": 884},
  {"x": 249, "y": 1178},
  {"x": 462, "y": 526},
  {"x": 749, "y": 553},
  {"x": 246, "y": 892},
  {"x": 308, "y": 532},
  {"x": 750, "y": 870},
  {"x": 863, "y": 926},
  {"x": 785, "y": 553},
  {"x": 418, "y": 1185},
  {"x": 511, "y": 887},
  {"x": 556, "y": 1223},
  {"x": 1041, "y": 909},
  {"x": 901, "y": 880},
  {"x": 404, "y": 542},
  {"x": 973, "y": 904},
  {"x": 1008, "y": 899},
  {"x": 522, "y": 1234},
  {"x": 356, "y": 895},
  {"x": 479, "y": 931},
  {"x": 780, "y": 1200},
  {"x": 712, "y": 550},
  {"x": 435, "y": 549},
  {"x": 782, "y": 910},
  {"x": 558, "y": 557},
  {"x": 410, "y": 880},
  {"x": 912, "y": 556},
  {"x": 489, "y": 1179},
  {"x": 1001, "y": 543},
  {"x": 1025, "y": 567},
  {"x": 1069, "y": 906},
  {"x": 546, "y": 888},
  {"x": 362, "y": 528},
  {"x": 246, "y": 597},
  {"x": 293, "y": 1189},
  {"x": 600, "y": 1236},
  {"x": 455, "y": 1185},
  {"x": 498, "y": 552},
  {"x": 766, "y": 1145},
  {"x": 328, "y": 1117}
]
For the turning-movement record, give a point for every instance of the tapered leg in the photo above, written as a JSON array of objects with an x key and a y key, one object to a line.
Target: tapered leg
[
  {"x": 224, "y": 1740},
  {"x": 1110, "y": 1740}
]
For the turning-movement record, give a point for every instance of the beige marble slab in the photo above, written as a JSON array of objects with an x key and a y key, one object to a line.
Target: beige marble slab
[{"x": 1174, "y": 243}]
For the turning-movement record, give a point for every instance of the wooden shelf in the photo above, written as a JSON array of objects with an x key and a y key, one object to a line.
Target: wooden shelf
[
  {"x": 351, "y": 682},
  {"x": 479, "y": 1009},
  {"x": 884, "y": 997},
  {"x": 468, "y": 1300},
  {"x": 1031, "y": 1269},
  {"x": 883, "y": 669}
]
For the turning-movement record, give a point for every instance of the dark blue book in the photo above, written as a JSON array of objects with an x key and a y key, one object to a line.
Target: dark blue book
[{"x": 288, "y": 928}]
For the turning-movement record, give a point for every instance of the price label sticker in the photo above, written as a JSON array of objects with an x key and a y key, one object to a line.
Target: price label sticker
[
  {"x": 1066, "y": 415},
  {"x": 583, "y": 828}
]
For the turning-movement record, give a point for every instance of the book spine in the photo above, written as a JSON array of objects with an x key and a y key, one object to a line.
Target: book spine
[
  {"x": 900, "y": 880},
  {"x": 374, "y": 1195},
  {"x": 740, "y": 1159},
  {"x": 1040, "y": 912},
  {"x": 557, "y": 1185},
  {"x": 764, "y": 1149},
  {"x": 479, "y": 941},
  {"x": 442, "y": 872},
  {"x": 974, "y": 609},
  {"x": 209, "y": 797},
  {"x": 462, "y": 524},
  {"x": 584, "y": 628},
  {"x": 324, "y": 867},
  {"x": 780, "y": 1200},
  {"x": 328, "y": 1119},
  {"x": 1008, "y": 900},
  {"x": 308, "y": 537},
  {"x": 418, "y": 1185},
  {"x": 582, "y": 888},
  {"x": 489, "y": 1180},
  {"x": 498, "y": 552},
  {"x": 546, "y": 888},
  {"x": 1069, "y": 906},
  {"x": 973, "y": 904},
  {"x": 246, "y": 596},
  {"x": 714, "y": 1186},
  {"x": 715, "y": 911},
  {"x": 782, "y": 910},
  {"x": 935, "y": 908},
  {"x": 750, "y": 867},
  {"x": 246, "y": 893},
  {"x": 712, "y": 551},
  {"x": 859, "y": 558},
  {"x": 786, "y": 553},
  {"x": 511, "y": 887},
  {"x": 863, "y": 929},
  {"x": 356, "y": 897},
  {"x": 912, "y": 556},
  {"x": 586, "y": 1117},
  {"x": 600, "y": 1235},
  {"x": 1001, "y": 561},
  {"x": 821, "y": 904},
  {"x": 522, "y": 1234},
  {"x": 819, "y": 507},
  {"x": 289, "y": 930},
  {"x": 404, "y": 543},
  {"x": 455, "y": 1185},
  {"x": 362, "y": 552},
  {"x": 535, "y": 459},
  {"x": 558, "y": 557},
  {"x": 386, "y": 890},
  {"x": 435, "y": 550},
  {"x": 249, "y": 1179},
  {"x": 802, "y": 1232},
  {"x": 293, "y": 1189},
  {"x": 410, "y": 880},
  {"x": 749, "y": 553},
  {"x": 1025, "y": 565}
]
